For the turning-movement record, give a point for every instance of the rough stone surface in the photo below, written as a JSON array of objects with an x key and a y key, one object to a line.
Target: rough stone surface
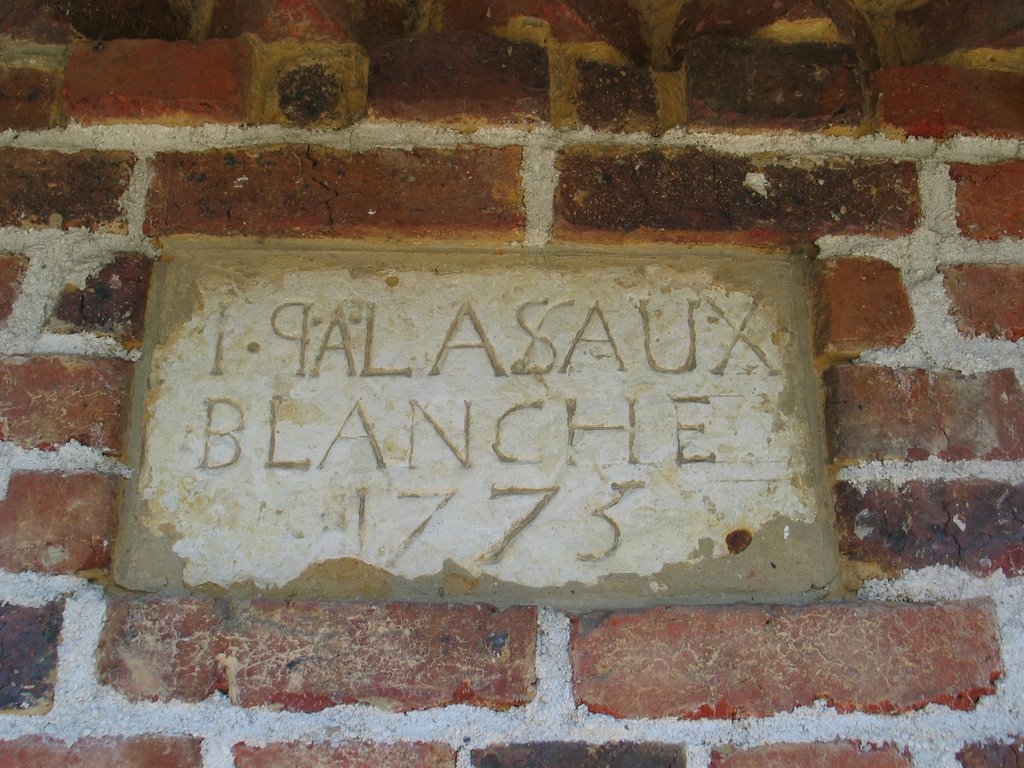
[
  {"x": 351, "y": 755},
  {"x": 911, "y": 414},
  {"x": 973, "y": 524},
  {"x": 53, "y": 189},
  {"x": 616, "y": 98},
  {"x": 689, "y": 194},
  {"x": 137, "y": 752},
  {"x": 574, "y": 755},
  {"x": 988, "y": 300},
  {"x": 317, "y": 192},
  {"x": 12, "y": 272},
  {"x": 993, "y": 755},
  {"x": 57, "y": 523},
  {"x": 809, "y": 86},
  {"x": 47, "y": 401},
  {"x": 748, "y": 661},
  {"x": 28, "y": 98},
  {"x": 843, "y": 754},
  {"x": 859, "y": 304},
  {"x": 461, "y": 77},
  {"x": 28, "y": 657},
  {"x": 145, "y": 80},
  {"x": 989, "y": 205},
  {"x": 398, "y": 656}
]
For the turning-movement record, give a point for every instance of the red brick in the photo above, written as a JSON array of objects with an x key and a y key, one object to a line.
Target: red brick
[
  {"x": 12, "y": 272},
  {"x": 137, "y": 752},
  {"x": 57, "y": 523},
  {"x": 763, "y": 83},
  {"x": 977, "y": 525},
  {"x": 938, "y": 102},
  {"x": 28, "y": 657},
  {"x": 35, "y": 20},
  {"x": 28, "y": 98},
  {"x": 990, "y": 200},
  {"x": 693, "y": 195},
  {"x": 458, "y": 77},
  {"x": 301, "y": 20},
  {"x": 48, "y": 401},
  {"x": 152, "y": 80},
  {"x": 753, "y": 661},
  {"x": 318, "y": 192},
  {"x": 53, "y": 189},
  {"x": 993, "y": 755},
  {"x": 911, "y": 414},
  {"x": 398, "y": 657},
  {"x": 843, "y": 754},
  {"x": 988, "y": 300},
  {"x": 349, "y": 755},
  {"x": 613, "y": 98},
  {"x": 931, "y": 29},
  {"x": 859, "y": 304},
  {"x": 726, "y": 18},
  {"x": 112, "y": 303},
  {"x": 578, "y": 755}
]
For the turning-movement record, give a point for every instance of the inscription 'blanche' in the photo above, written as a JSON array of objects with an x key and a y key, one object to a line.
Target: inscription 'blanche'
[{"x": 538, "y": 426}]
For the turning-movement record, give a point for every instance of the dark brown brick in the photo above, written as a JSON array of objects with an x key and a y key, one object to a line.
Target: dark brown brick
[
  {"x": 35, "y": 20},
  {"x": 465, "y": 78},
  {"x": 565, "y": 24},
  {"x": 911, "y": 414},
  {"x": 48, "y": 401},
  {"x": 349, "y": 755},
  {"x": 726, "y": 18},
  {"x": 618, "y": 23},
  {"x": 616, "y": 98},
  {"x": 763, "y": 83},
  {"x": 28, "y": 98},
  {"x": 988, "y": 299},
  {"x": 993, "y": 755},
  {"x": 317, "y": 192},
  {"x": 398, "y": 657},
  {"x": 52, "y": 189},
  {"x": 842, "y": 754},
  {"x": 575, "y": 755},
  {"x": 692, "y": 195},
  {"x": 113, "y": 19},
  {"x": 28, "y": 657},
  {"x": 753, "y": 661},
  {"x": 137, "y": 752},
  {"x": 989, "y": 203},
  {"x": 977, "y": 525},
  {"x": 931, "y": 29},
  {"x": 12, "y": 272},
  {"x": 57, "y": 523},
  {"x": 938, "y": 102},
  {"x": 157, "y": 81},
  {"x": 112, "y": 303},
  {"x": 859, "y": 304}
]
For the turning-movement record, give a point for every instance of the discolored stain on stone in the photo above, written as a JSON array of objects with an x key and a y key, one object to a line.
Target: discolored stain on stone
[
  {"x": 307, "y": 94},
  {"x": 347, "y": 755},
  {"x": 578, "y": 755},
  {"x": 28, "y": 656},
  {"x": 137, "y": 752},
  {"x": 112, "y": 303},
  {"x": 738, "y": 540}
]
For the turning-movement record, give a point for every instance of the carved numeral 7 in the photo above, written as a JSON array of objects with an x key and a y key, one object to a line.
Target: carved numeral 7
[
  {"x": 622, "y": 490},
  {"x": 495, "y": 553},
  {"x": 419, "y": 529}
]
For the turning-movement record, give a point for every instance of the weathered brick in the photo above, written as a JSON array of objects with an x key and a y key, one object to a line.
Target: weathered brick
[
  {"x": 842, "y": 754},
  {"x": 35, "y": 20},
  {"x": 859, "y": 304},
  {"x": 112, "y": 303},
  {"x": 938, "y": 102},
  {"x": 57, "y": 523},
  {"x": 317, "y": 192},
  {"x": 153, "y": 80},
  {"x": 28, "y": 657},
  {"x": 12, "y": 272},
  {"x": 301, "y": 20},
  {"x": 576, "y": 755},
  {"x": 987, "y": 299},
  {"x": 992, "y": 755},
  {"x": 463, "y": 78},
  {"x": 911, "y": 414},
  {"x": 616, "y": 98},
  {"x": 398, "y": 657},
  {"x": 47, "y": 401},
  {"x": 763, "y": 83},
  {"x": 689, "y": 194},
  {"x": 28, "y": 98},
  {"x": 931, "y": 29},
  {"x": 753, "y": 661},
  {"x": 989, "y": 200},
  {"x": 563, "y": 21},
  {"x": 727, "y": 18},
  {"x": 53, "y": 189},
  {"x": 350, "y": 755},
  {"x": 113, "y": 19},
  {"x": 137, "y": 752},
  {"x": 977, "y": 525}
]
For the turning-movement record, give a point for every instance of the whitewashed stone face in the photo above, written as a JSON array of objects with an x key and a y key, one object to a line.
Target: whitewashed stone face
[{"x": 528, "y": 425}]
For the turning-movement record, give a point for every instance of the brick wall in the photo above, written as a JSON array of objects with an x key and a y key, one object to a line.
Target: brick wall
[{"x": 883, "y": 144}]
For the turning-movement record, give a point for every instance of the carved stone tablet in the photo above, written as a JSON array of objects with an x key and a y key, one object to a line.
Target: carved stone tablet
[{"x": 577, "y": 430}]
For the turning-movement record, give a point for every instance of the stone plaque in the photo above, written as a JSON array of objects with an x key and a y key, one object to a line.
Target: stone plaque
[{"x": 577, "y": 429}]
